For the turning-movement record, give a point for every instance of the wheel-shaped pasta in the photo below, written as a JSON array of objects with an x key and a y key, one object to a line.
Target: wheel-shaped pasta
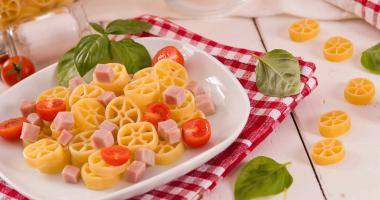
[
  {"x": 122, "y": 110},
  {"x": 168, "y": 153},
  {"x": 193, "y": 115},
  {"x": 46, "y": 155},
  {"x": 101, "y": 168},
  {"x": 143, "y": 91},
  {"x": 121, "y": 78},
  {"x": 135, "y": 135},
  {"x": 55, "y": 93},
  {"x": 81, "y": 148},
  {"x": 143, "y": 73},
  {"x": 9, "y": 10},
  {"x": 42, "y": 3},
  {"x": 28, "y": 12},
  {"x": 96, "y": 182},
  {"x": 88, "y": 114},
  {"x": 84, "y": 91},
  {"x": 170, "y": 73},
  {"x": 186, "y": 109}
]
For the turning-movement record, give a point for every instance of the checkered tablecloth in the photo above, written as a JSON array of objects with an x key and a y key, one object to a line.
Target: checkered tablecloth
[{"x": 266, "y": 113}]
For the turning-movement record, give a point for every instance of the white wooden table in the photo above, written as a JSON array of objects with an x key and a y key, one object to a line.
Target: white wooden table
[{"x": 354, "y": 178}]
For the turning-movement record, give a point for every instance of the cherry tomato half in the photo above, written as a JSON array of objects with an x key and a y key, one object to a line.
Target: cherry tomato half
[
  {"x": 48, "y": 109},
  {"x": 11, "y": 129},
  {"x": 15, "y": 69},
  {"x": 157, "y": 112},
  {"x": 196, "y": 132},
  {"x": 169, "y": 52},
  {"x": 115, "y": 155}
]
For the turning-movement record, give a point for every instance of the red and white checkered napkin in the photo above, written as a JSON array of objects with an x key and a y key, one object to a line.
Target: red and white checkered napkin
[{"x": 266, "y": 113}]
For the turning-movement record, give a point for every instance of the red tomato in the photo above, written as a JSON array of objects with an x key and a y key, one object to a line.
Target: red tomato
[
  {"x": 11, "y": 129},
  {"x": 157, "y": 112},
  {"x": 169, "y": 52},
  {"x": 15, "y": 69},
  {"x": 48, "y": 109},
  {"x": 196, "y": 132},
  {"x": 115, "y": 155}
]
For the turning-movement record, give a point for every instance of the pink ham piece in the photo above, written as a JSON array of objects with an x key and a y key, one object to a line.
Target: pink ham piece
[
  {"x": 74, "y": 82},
  {"x": 106, "y": 97},
  {"x": 104, "y": 73},
  {"x": 34, "y": 119},
  {"x": 109, "y": 126},
  {"x": 65, "y": 137},
  {"x": 71, "y": 174},
  {"x": 30, "y": 132},
  {"x": 174, "y": 95},
  {"x": 64, "y": 121},
  {"x": 195, "y": 88},
  {"x": 135, "y": 171},
  {"x": 27, "y": 107},
  {"x": 102, "y": 138},
  {"x": 169, "y": 131},
  {"x": 145, "y": 155},
  {"x": 205, "y": 104}
]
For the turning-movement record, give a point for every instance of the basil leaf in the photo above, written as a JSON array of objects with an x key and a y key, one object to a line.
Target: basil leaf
[
  {"x": 131, "y": 54},
  {"x": 262, "y": 176},
  {"x": 90, "y": 51},
  {"x": 124, "y": 26},
  {"x": 278, "y": 74},
  {"x": 66, "y": 69},
  {"x": 98, "y": 28},
  {"x": 370, "y": 59}
]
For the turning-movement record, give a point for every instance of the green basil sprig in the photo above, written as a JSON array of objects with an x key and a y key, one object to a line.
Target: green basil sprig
[
  {"x": 278, "y": 74},
  {"x": 260, "y": 177},
  {"x": 370, "y": 59},
  {"x": 97, "y": 48}
]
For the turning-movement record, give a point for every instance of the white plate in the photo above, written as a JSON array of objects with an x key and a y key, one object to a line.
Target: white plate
[{"x": 232, "y": 114}]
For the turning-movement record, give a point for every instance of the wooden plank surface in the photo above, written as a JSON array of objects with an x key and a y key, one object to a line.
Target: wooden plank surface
[{"x": 357, "y": 176}]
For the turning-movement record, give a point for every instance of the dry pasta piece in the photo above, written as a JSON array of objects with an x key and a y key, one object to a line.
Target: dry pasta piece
[
  {"x": 58, "y": 92},
  {"x": 168, "y": 153},
  {"x": 186, "y": 109},
  {"x": 84, "y": 91},
  {"x": 95, "y": 182},
  {"x": 337, "y": 49},
  {"x": 135, "y": 135},
  {"x": 327, "y": 152},
  {"x": 334, "y": 124},
  {"x": 27, "y": 12},
  {"x": 359, "y": 91},
  {"x": 46, "y": 155},
  {"x": 122, "y": 110},
  {"x": 303, "y": 30},
  {"x": 81, "y": 148},
  {"x": 9, "y": 10},
  {"x": 121, "y": 78},
  {"x": 170, "y": 73},
  {"x": 193, "y": 115},
  {"x": 100, "y": 167},
  {"x": 143, "y": 73},
  {"x": 88, "y": 114},
  {"x": 64, "y": 2},
  {"x": 143, "y": 91},
  {"x": 42, "y": 3}
]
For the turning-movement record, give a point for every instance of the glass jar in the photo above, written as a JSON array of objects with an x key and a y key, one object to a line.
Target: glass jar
[{"x": 45, "y": 38}]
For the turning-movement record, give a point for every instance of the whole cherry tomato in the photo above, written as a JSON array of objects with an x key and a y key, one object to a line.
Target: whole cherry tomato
[{"x": 15, "y": 69}]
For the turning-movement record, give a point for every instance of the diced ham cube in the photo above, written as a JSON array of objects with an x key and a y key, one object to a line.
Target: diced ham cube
[
  {"x": 106, "y": 97},
  {"x": 135, "y": 171},
  {"x": 165, "y": 126},
  {"x": 174, "y": 95},
  {"x": 27, "y": 107},
  {"x": 74, "y": 82},
  {"x": 102, "y": 138},
  {"x": 109, "y": 126},
  {"x": 205, "y": 104},
  {"x": 64, "y": 121},
  {"x": 30, "y": 132},
  {"x": 34, "y": 119},
  {"x": 104, "y": 73},
  {"x": 145, "y": 155},
  {"x": 195, "y": 88},
  {"x": 65, "y": 137},
  {"x": 173, "y": 135},
  {"x": 71, "y": 174}
]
